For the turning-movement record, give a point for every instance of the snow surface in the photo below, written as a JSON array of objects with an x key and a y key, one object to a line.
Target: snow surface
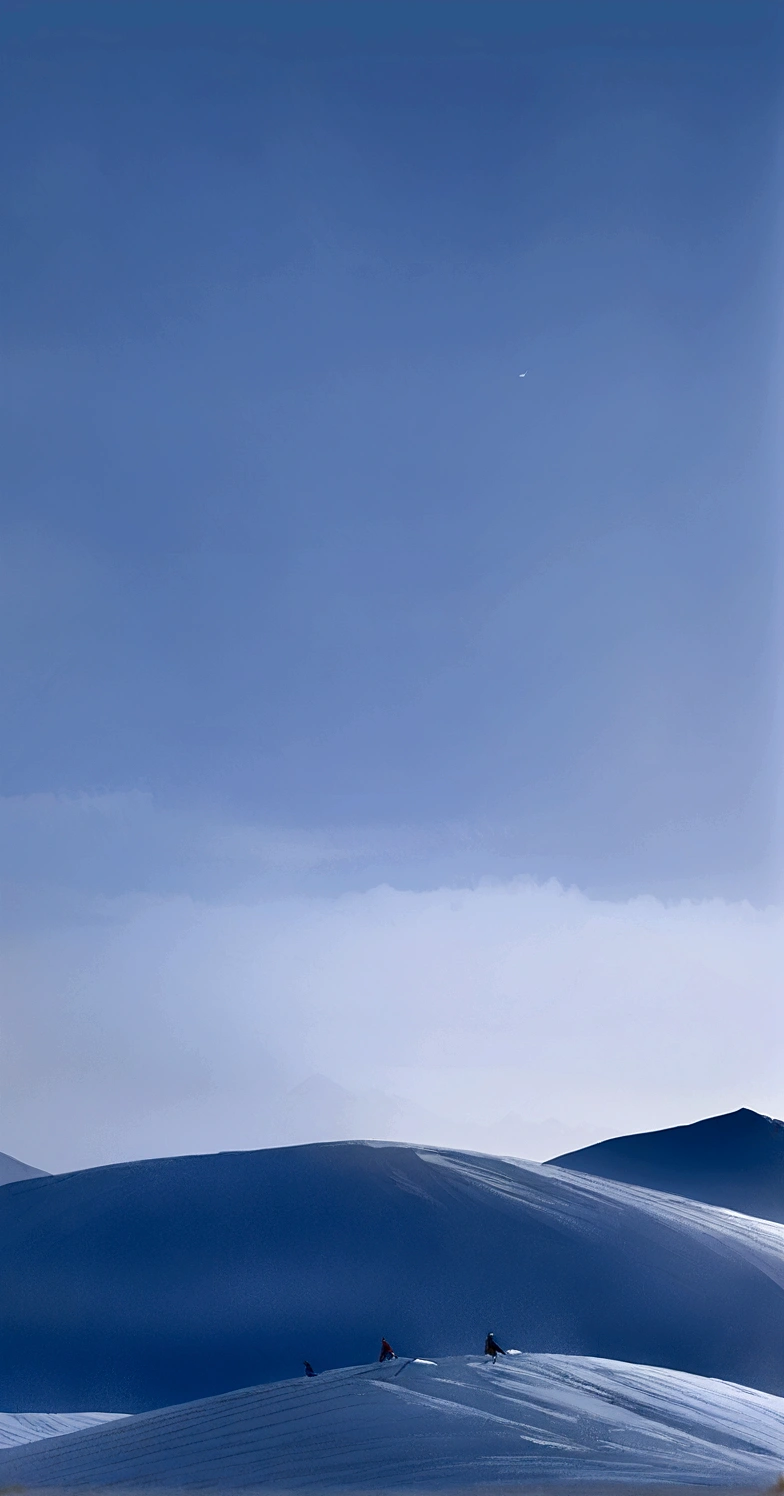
[
  {"x": 24, "y": 1428},
  {"x": 11, "y": 1170},
  {"x": 736, "y": 1160},
  {"x": 447, "y": 1423},
  {"x": 140, "y": 1285}
]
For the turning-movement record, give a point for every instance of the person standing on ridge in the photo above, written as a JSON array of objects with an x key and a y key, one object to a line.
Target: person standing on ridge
[
  {"x": 492, "y": 1348},
  {"x": 309, "y": 1372},
  {"x": 387, "y": 1353}
]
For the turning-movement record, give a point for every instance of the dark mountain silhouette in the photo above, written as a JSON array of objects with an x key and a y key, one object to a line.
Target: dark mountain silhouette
[
  {"x": 145, "y": 1284},
  {"x": 735, "y": 1160}
]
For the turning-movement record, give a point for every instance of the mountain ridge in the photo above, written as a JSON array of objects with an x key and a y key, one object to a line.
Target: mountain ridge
[
  {"x": 135, "y": 1285},
  {"x": 734, "y": 1160}
]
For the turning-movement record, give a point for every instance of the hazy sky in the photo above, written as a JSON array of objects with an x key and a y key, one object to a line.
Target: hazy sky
[{"x": 369, "y": 712}]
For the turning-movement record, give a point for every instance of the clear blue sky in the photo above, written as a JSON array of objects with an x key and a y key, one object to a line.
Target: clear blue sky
[{"x": 289, "y": 550}]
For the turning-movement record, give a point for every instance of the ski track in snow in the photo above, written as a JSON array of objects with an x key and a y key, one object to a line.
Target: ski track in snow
[
  {"x": 727, "y": 1231},
  {"x": 25, "y": 1428},
  {"x": 418, "y": 1424}
]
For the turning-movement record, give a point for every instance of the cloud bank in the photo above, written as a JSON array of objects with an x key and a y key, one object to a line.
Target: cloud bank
[{"x": 471, "y": 1016}]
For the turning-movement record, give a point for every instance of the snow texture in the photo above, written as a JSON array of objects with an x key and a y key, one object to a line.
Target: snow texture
[
  {"x": 736, "y": 1160},
  {"x": 24, "y": 1428},
  {"x": 456, "y": 1422},
  {"x": 139, "y": 1285}
]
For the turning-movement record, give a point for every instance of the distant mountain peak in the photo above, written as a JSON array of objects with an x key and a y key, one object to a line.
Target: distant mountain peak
[
  {"x": 735, "y": 1159},
  {"x": 744, "y": 1114}
]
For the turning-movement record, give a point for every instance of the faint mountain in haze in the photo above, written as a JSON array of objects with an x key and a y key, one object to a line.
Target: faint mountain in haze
[
  {"x": 319, "y": 1110},
  {"x": 736, "y": 1160},
  {"x": 519, "y": 1138}
]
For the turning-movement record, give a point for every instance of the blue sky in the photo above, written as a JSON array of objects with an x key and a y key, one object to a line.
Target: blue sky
[{"x": 305, "y": 591}]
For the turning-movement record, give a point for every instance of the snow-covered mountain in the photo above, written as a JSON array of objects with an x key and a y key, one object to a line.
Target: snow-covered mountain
[
  {"x": 138, "y": 1285},
  {"x": 11, "y": 1170},
  {"x": 460, "y": 1422},
  {"x": 735, "y": 1160},
  {"x": 318, "y": 1110}
]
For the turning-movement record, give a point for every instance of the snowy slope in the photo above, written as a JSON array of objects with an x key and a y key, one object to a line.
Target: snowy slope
[
  {"x": 140, "y": 1285},
  {"x": 736, "y": 1160},
  {"x": 460, "y": 1422},
  {"x": 11, "y": 1170},
  {"x": 24, "y": 1428}
]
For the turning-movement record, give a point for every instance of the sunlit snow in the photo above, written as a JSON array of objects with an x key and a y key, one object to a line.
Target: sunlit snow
[{"x": 424, "y": 1423}]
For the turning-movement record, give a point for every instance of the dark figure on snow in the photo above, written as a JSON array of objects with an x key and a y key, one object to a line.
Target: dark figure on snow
[
  {"x": 492, "y": 1348},
  {"x": 309, "y": 1372},
  {"x": 387, "y": 1353}
]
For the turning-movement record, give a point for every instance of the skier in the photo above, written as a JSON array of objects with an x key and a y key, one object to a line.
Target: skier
[
  {"x": 309, "y": 1372},
  {"x": 387, "y": 1353},
  {"x": 492, "y": 1348}
]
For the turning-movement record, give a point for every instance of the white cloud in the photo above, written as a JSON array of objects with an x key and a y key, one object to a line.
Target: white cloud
[{"x": 168, "y": 1024}]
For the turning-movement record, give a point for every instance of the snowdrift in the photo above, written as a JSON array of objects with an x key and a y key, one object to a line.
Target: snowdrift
[
  {"x": 12, "y": 1169},
  {"x": 458, "y": 1423},
  {"x": 24, "y": 1428},
  {"x": 736, "y": 1160},
  {"x": 139, "y": 1285}
]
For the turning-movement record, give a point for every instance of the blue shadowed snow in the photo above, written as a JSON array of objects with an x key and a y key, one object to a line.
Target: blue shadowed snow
[{"x": 143, "y": 1284}]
